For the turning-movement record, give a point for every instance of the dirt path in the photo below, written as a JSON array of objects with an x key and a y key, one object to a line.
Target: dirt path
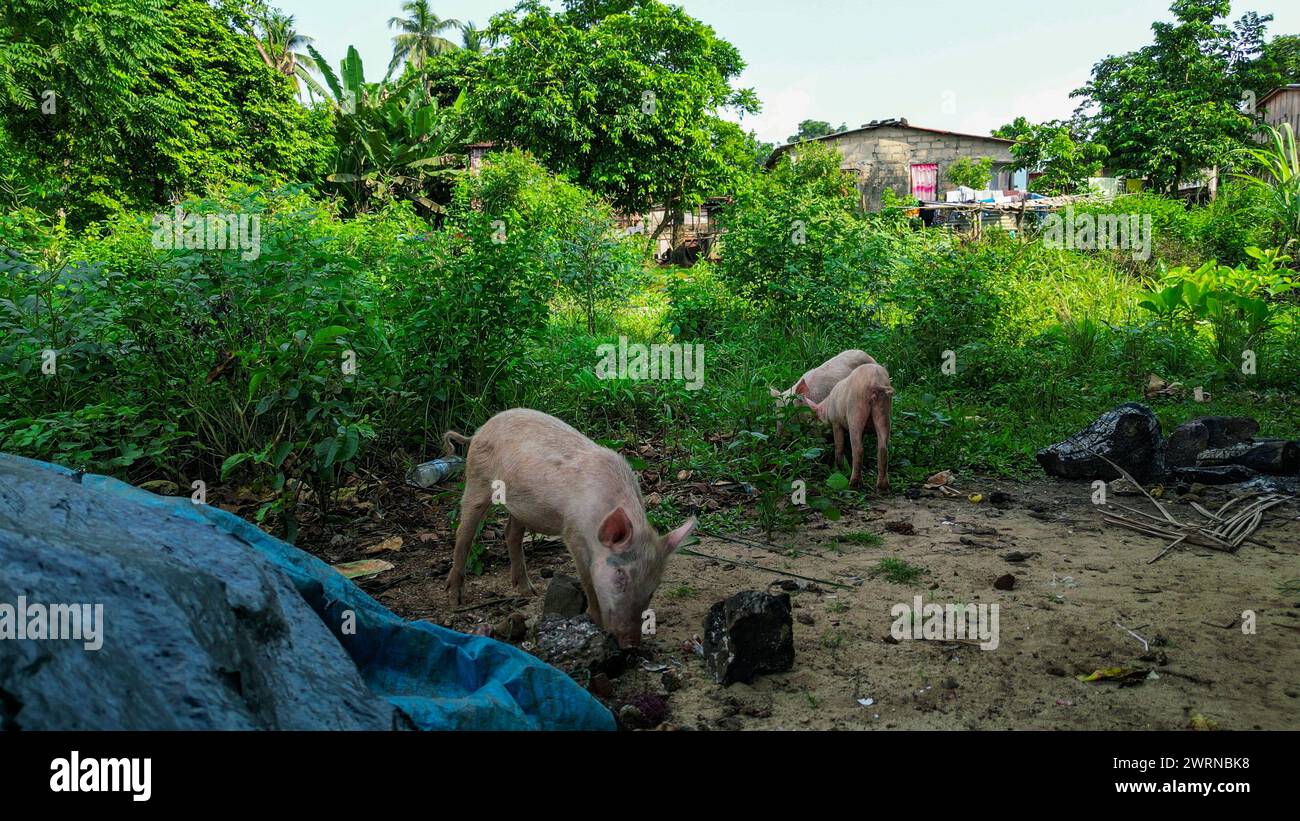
[{"x": 1057, "y": 622}]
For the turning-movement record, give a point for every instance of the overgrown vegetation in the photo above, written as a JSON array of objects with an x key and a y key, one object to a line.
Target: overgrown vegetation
[{"x": 393, "y": 294}]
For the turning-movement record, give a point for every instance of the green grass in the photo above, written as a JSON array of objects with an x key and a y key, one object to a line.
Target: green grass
[
  {"x": 681, "y": 591},
  {"x": 833, "y": 639},
  {"x": 897, "y": 571},
  {"x": 863, "y": 537}
]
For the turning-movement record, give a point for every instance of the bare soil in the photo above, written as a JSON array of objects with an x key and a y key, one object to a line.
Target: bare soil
[{"x": 1058, "y": 622}]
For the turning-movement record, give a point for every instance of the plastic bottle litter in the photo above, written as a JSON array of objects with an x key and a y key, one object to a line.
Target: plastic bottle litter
[{"x": 428, "y": 474}]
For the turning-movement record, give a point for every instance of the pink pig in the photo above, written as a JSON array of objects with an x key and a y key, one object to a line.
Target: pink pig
[
  {"x": 555, "y": 481},
  {"x": 822, "y": 378},
  {"x": 865, "y": 399}
]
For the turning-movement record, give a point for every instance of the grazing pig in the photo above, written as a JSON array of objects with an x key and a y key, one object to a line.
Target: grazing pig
[
  {"x": 555, "y": 481},
  {"x": 862, "y": 400},
  {"x": 822, "y": 378}
]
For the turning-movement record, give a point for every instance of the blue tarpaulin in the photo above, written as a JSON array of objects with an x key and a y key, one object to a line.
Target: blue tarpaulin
[{"x": 440, "y": 678}]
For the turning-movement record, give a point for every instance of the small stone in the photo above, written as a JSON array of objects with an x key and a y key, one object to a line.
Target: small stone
[
  {"x": 902, "y": 528},
  {"x": 512, "y": 628},
  {"x": 805, "y": 617},
  {"x": 601, "y": 686},
  {"x": 671, "y": 681},
  {"x": 629, "y": 717},
  {"x": 1005, "y": 582},
  {"x": 643, "y": 712},
  {"x": 997, "y": 497},
  {"x": 950, "y": 683},
  {"x": 564, "y": 597}
]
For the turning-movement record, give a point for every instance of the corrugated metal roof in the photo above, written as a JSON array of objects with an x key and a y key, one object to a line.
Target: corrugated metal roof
[
  {"x": 898, "y": 122},
  {"x": 1279, "y": 90}
]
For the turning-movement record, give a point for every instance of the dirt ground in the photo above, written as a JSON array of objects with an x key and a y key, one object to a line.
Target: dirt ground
[{"x": 1075, "y": 578}]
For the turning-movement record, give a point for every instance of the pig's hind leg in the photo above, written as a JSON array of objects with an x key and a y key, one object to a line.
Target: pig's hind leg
[
  {"x": 858, "y": 419},
  {"x": 880, "y": 420},
  {"x": 839, "y": 445},
  {"x": 518, "y": 569},
  {"x": 474, "y": 506}
]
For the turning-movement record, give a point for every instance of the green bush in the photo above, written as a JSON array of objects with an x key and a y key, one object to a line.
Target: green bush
[{"x": 796, "y": 247}]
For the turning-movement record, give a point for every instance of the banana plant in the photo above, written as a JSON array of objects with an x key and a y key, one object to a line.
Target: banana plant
[
  {"x": 1278, "y": 178},
  {"x": 394, "y": 141}
]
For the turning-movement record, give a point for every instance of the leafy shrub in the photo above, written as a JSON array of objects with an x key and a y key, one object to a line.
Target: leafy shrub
[
  {"x": 796, "y": 247},
  {"x": 700, "y": 306}
]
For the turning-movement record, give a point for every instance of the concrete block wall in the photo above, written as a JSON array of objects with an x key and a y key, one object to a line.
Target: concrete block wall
[{"x": 883, "y": 157}]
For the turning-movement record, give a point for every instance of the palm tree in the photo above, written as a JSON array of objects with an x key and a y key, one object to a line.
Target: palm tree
[
  {"x": 279, "y": 45},
  {"x": 420, "y": 36},
  {"x": 474, "y": 39}
]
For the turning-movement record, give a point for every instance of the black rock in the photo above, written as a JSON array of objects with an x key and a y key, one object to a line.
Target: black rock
[
  {"x": 1129, "y": 436},
  {"x": 564, "y": 597},
  {"x": 1187, "y": 440},
  {"x": 1221, "y": 475},
  {"x": 577, "y": 646},
  {"x": 751, "y": 632},
  {"x": 1280, "y": 457},
  {"x": 1228, "y": 430}
]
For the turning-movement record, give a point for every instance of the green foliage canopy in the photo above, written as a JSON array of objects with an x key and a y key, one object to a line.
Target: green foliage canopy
[{"x": 625, "y": 104}]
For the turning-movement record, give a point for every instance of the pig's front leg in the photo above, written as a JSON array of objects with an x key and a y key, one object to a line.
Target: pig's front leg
[
  {"x": 584, "y": 576},
  {"x": 518, "y": 570}
]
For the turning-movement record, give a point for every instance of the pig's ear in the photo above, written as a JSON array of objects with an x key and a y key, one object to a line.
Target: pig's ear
[
  {"x": 679, "y": 536},
  {"x": 616, "y": 530},
  {"x": 802, "y": 388}
]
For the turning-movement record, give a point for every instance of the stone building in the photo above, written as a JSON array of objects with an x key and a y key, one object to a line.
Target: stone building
[{"x": 910, "y": 159}]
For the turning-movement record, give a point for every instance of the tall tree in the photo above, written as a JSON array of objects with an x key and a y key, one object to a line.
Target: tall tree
[
  {"x": 1064, "y": 159},
  {"x": 137, "y": 102},
  {"x": 421, "y": 35},
  {"x": 473, "y": 38},
  {"x": 1170, "y": 109},
  {"x": 1278, "y": 64},
  {"x": 812, "y": 129},
  {"x": 626, "y": 105}
]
